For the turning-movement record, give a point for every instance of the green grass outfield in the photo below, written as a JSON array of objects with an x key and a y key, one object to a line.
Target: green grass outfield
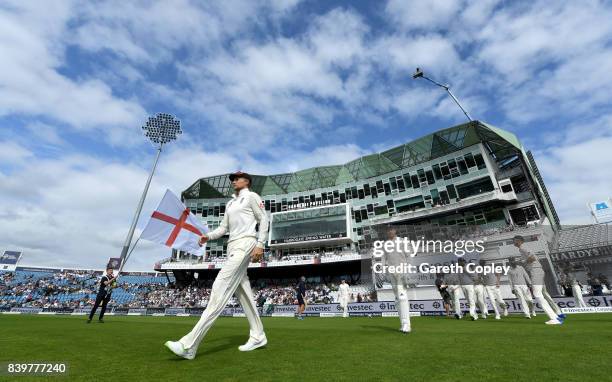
[{"x": 130, "y": 348}]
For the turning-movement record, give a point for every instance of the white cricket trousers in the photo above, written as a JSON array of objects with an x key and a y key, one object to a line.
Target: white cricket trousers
[
  {"x": 496, "y": 299},
  {"x": 470, "y": 295},
  {"x": 232, "y": 278},
  {"x": 344, "y": 305},
  {"x": 550, "y": 301},
  {"x": 577, "y": 291},
  {"x": 479, "y": 293},
  {"x": 454, "y": 291},
  {"x": 538, "y": 293},
  {"x": 402, "y": 304},
  {"x": 524, "y": 297}
]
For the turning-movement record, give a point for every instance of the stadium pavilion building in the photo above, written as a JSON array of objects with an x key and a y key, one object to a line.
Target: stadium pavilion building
[{"x": 470, "y": 174}]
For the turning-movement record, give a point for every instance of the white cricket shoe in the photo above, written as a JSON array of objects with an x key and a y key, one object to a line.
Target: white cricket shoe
[
  {"x": 498, "y": 317},
  {"x": 178, "y": 349},
  {"x": 252, "y": 344},
  {"x": 533, "y": 314},
  {"x": 405, "y": 328},
  {"x": 554, "y": 322},
  {"x": 505, "y": 312}
]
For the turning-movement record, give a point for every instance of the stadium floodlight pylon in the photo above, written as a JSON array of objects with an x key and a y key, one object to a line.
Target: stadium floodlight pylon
[
  {"x": 161, "y": 129},
  {"x": 420, "y": 74}
]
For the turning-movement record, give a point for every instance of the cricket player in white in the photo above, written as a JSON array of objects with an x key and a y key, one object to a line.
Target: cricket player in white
[
  {"x": 520, "y": 283},
  {"x": 536, "y": 274},
  {"x": 491, "y": 284},
  {"x": 399, "y": 283},
  {"x": 242, "y": 214},
  {"x": 570, "y": 278},
  {"x": 467, "y": 280},
  {"x": 479, "y": 292},
  {"x": 343, "y": 297}
]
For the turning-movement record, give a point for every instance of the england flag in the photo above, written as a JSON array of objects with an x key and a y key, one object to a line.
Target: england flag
[{"x": 173, "y": 225}]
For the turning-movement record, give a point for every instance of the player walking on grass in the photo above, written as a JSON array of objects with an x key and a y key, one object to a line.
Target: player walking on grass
[
  {"x": 491, "y": 283},
  {"x": 104, "y": 294},
  {"x": 479, "y": 292},
  {"x": 245, "y": 244},
  {"x": 569, "y": 277},
  {"x": 300, "y": 291},
  {"x": 536, "y": 274},
  {"x": 520, "y": 282},
  {"x": 343, "y": 297},
  {"x": 467, "y": 281},
  {"x": 399, "y": 283}
]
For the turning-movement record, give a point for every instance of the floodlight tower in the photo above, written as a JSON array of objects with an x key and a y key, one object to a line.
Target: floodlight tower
[
  {"x": 161, "y": 129},
  {"x": 419, "y": 74}
]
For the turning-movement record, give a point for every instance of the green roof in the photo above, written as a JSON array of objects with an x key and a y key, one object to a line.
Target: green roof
[{"x": 500, "y": 143}]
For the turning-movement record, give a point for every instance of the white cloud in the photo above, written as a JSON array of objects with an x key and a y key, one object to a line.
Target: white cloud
[
  {"x": 12, "y": 153},
  {"x": 433, "y": 52},
  {"x": 423, "y": 14},
  {"x": 576, "y": 175},
  {"x": 45, "y": 133},
  {"x": 32, "y": 51}
]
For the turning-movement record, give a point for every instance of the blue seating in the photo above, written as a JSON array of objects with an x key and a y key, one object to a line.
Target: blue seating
[{"x": 130, "y": 286}]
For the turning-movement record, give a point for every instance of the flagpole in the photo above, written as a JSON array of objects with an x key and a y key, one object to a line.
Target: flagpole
[
  {"x": 161, "y": 129},
  {"x": 128, "y": 239},
  {"x": 128, "y": 255}
]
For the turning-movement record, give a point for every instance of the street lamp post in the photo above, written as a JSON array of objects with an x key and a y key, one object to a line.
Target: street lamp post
[
  {"x": 419, "y": 74},
  {"x": 161, "y": 129}
]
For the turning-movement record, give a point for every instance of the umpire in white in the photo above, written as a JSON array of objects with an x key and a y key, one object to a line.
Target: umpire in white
[{"x": 242, "y": 214}]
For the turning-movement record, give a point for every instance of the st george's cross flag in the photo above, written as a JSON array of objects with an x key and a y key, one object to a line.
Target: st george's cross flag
[{"x": 173, "y": 225}]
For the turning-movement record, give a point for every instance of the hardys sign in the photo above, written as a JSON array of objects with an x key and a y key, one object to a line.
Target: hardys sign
[{"x": 583, "y": 254}]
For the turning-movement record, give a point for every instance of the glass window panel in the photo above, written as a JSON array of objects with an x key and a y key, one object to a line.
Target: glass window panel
[
  {"x": 422, "y": 177},
  {"x": 452, "y": 193},
  {"x": 400, "y": 184},
  {"x": 415, "y": 181},
  {"x": 480, "y": 161},
  {"x": 407, "y": 180},
  {"x": 463, "y": 169},
  {"x": 430, "y": 177},
  {"x": 437, "y": 172},
  {"x": 393, "y": 183},
  {"x": 469, "y": 160}
]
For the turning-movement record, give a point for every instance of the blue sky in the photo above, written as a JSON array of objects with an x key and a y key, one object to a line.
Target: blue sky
[{"x": 276, "y": 86}]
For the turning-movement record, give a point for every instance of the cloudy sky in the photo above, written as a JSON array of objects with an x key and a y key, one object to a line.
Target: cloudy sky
[{"x": 274, "y": 86}]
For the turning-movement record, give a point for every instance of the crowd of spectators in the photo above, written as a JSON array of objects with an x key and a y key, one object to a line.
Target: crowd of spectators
[{"x": 77, "y": 289}]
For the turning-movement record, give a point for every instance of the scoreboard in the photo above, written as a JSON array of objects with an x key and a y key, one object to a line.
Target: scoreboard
[{"x": 323, "y": 225}]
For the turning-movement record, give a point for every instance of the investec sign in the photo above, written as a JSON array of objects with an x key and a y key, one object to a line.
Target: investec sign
[
  {"x": 436, "y": 306},
  {"x": 583, "y": 254}
]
